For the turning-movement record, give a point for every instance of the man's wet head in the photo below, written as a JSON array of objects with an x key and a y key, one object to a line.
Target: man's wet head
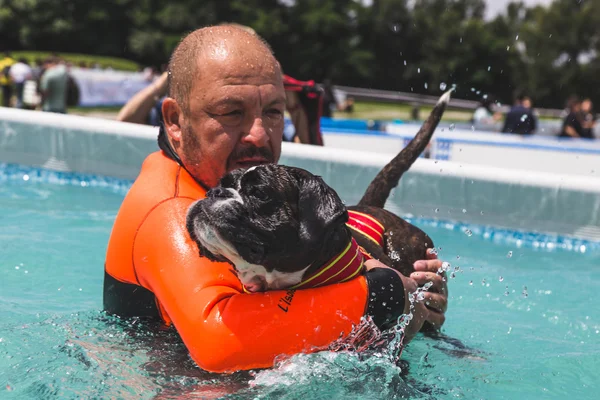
[{"x": 226, "y": 102}]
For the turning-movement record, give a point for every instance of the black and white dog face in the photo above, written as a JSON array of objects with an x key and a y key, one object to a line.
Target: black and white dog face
[{"x": 269, "y": 221}]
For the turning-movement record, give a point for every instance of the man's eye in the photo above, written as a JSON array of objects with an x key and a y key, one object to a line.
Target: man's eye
[
  {"x": 229, "y": 118},
  {"x": 273, "y": 112},
  {"x": 231, "y": 114}
]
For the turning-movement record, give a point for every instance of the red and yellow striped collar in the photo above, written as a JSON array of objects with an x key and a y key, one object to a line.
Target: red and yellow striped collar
[
  {"x": 343, "y": 267},
  {"x": 366, "y": 225}
]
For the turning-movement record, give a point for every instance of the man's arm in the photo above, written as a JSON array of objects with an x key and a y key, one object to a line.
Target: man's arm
[
  {"x": 569, "y": 130},
  {"x": 225, "y": 329},
  {"x": 136, "y": 110}
]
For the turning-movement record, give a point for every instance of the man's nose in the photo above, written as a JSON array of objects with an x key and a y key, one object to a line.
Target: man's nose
[{"x": 256, "y": 135}]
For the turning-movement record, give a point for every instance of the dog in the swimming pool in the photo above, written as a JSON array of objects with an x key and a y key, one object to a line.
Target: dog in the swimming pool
[{"x": 282, "y": 227}]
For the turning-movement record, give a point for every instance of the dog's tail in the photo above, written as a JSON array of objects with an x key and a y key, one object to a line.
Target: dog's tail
[{"x": 379, "y": 190}]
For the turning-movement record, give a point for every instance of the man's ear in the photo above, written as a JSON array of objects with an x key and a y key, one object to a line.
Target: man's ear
[
  {"x": 172, "y": 113},
  {"x": 320, "y": 209}
]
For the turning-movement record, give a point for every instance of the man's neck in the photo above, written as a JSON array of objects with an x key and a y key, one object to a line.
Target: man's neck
[
  {"x": 167, "y": 149},
  {"x": 165, "y": 146}
]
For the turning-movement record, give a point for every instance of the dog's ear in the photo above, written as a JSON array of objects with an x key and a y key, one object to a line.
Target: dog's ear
[{"x": 320, "y": 209}]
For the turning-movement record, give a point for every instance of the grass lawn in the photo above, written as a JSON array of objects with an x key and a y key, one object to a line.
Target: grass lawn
[
  {"x": 90, "y": 60},
  {"x": 395, "y": 111}
]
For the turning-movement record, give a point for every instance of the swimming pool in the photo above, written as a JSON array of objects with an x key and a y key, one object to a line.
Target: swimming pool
[{"x": 526, "y": 312}]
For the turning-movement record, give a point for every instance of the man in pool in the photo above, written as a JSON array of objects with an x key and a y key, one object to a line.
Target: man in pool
[{"x": 225, "y": 111}]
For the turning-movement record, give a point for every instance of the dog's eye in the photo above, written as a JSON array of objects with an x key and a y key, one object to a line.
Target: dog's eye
[{"x": 260, "y": 195}]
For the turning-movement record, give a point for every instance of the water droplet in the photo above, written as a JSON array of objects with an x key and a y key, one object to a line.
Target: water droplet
[
  {"x": 17, "y": 267},
  {"x": 483, "y": 282},
  {"x": 489, "y": 68},
  {"x": 418, "y": 70},
  {"x": 481, "y": 213},
  {"x": 451, "y": 127},
  {"x": 458, "y": 257},
  {"x": 507, "y": 48},
  {"x": 469, "y": 233},
  {"x": 437, "y": 210},
  {"x": 25, "y": 177},
  {"x": 517, "y": 37},
  {"x": 523, "y": 117},
  {"x": 500, "y": 279},
  {"x": 472, "y": 129},
  {"x": 445, "y": 267},
  {"x": 471, "y": 283},
  {"x": 464, "y": 210},
  {"x": 443, "y": 86},
  {"x": 404, "y": 62},
  {"x": 509, "y": 255}
]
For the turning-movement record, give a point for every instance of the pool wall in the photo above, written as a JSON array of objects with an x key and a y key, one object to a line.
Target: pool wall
[
  {"x": 530, "y": 201},
  {"x": 539, "y": 153}
]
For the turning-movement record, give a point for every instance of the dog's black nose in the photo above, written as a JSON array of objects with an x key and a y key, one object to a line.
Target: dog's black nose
[{"x": 218, "y": 192}]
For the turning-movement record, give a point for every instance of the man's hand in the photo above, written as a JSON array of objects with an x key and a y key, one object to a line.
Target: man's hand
[
  {"x": 420, "y": 313},
  {"x": 436, "y": 298}
]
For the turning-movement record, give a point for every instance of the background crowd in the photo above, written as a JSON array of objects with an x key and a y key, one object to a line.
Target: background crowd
[
  {"x": 46, "y": 84},
  {"x": 413, "y": 46},
  {"x": 578, "y": 117}
]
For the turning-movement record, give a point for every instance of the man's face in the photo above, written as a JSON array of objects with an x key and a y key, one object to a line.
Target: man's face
[
  {"x": 235, "y": 117},
  {"x": 586, "y": 106}
]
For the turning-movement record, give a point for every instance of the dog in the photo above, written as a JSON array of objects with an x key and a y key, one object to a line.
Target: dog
[{"x": 282, "y": 227}]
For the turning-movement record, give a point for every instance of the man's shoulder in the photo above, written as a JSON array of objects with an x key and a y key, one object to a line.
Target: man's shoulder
[{"x": 160, "y": 180}]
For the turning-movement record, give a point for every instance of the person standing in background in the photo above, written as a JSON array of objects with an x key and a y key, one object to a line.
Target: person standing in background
[
  {"x": 485, "y": 115},
  {"x": 588, "y": 118},
  {"x": 19, "y": 73},
  {"x": 520, "y": 119},
  {"x": 5, "y": 65},
  {"x": 53, "y": 87},
  {"x": 572, "y": 124}
]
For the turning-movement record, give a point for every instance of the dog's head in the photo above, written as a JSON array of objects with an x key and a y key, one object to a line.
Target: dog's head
[{"x": 271, "y": 222}]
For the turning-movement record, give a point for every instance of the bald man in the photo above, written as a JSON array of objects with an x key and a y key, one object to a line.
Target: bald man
[{"x": 225, "y": 111}]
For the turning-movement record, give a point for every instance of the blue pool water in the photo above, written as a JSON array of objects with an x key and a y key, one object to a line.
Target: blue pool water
[{"x": 527, "y": 313}]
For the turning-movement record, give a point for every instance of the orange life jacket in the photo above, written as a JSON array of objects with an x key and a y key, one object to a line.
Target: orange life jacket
[{"x": 153, "y": 268}]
